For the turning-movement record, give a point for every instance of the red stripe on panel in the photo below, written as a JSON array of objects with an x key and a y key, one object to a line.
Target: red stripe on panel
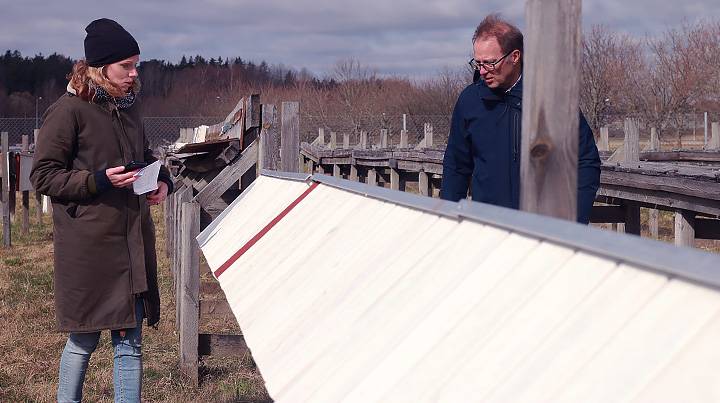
[{"x": 263, "y": 231}]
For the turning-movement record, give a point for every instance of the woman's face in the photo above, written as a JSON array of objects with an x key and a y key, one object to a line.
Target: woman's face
[{"x": 123, "y": 73}]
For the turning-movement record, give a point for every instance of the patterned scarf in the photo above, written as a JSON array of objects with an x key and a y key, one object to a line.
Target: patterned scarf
[{"x": 101, "y": 95}]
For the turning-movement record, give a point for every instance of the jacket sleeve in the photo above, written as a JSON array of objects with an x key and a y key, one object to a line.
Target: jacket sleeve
[
  {"x": 588, "y": 172},
  {"x": 52, "y": 173},
  {"x": 458, "y": 162},
  {"x": 164, "y": 174}
]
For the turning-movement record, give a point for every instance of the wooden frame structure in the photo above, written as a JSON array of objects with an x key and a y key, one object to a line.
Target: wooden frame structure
[{"x": 210, "y": 174}]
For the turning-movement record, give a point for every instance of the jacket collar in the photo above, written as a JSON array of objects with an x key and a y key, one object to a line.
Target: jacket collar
[{"x": 499, "y": 96}]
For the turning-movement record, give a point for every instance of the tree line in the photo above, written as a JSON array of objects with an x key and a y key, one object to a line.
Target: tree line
[{"x": 664, "y": 81}]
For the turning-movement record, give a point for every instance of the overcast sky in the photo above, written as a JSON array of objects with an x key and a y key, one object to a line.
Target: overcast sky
[{"x": 415, "y": 38}]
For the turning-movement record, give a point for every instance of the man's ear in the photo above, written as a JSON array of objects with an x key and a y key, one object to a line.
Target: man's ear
[{"x": 516, "y": 55}]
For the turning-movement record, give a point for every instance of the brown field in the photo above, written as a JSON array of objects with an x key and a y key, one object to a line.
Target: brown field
[{"x": 30, "y": 347}]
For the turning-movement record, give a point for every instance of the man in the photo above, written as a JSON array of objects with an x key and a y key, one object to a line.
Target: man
[{"x": 483, "y": 149}]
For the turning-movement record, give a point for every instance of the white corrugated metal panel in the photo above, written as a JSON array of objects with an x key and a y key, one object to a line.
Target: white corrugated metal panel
[{"x": 358, "y": 294}]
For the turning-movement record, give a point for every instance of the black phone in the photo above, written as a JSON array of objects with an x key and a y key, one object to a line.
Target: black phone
[{"x": 133, "y": 165}]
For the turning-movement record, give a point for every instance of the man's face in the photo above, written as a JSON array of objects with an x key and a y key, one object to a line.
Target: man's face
[{"x": 506, "y": 72}]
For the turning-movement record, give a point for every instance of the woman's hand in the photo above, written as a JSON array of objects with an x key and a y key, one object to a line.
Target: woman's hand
[
  {"x": 120, "y": 179},
  {"x": 159, "y": 195}
]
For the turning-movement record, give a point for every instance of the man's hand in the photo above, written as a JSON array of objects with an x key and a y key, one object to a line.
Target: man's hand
[
  {"x": 159, "y": 195},
  {"x": 120, "y": 179}
]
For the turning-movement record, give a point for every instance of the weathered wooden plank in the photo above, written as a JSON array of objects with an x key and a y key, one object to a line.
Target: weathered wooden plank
[
  {"x": 221, "y": 345},
  {"x": 685, "y": 228},
  {"x": 682, "y": 186},
  {"x": 5, "y": 193},
  {"x": 656, "y": 199},
  {"x": 230, "y": 175},
  {"x": 550, "y": 108},
  {"x": 290, "y": 137},
  {"x": 681, "y": 155},
  {"x": 269, "y": 144},
  {"x": 189, "y": 291}
]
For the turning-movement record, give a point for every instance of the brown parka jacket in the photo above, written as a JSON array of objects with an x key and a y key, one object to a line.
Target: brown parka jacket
[{"x": 103, "y": 236}]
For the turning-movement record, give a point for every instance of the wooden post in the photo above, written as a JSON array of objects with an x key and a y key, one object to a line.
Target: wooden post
[
  {"x": 336, "y": 170},
  {"x": 550, "y": 108},
  {"x": 25, "y": 193},
  {"x": 269, "y": 151},
  {"x": 654, "y": 140},
  {"x": 653, "y": 222},
  {"x": 372, "y": 177},
  {"x": 38, "y": 196},
  {"x": 12, "y": 194},
  {"x": 632, "y": 218},
  {"x": 424, "y": 183},
  {"x": 333, "y": 141},
  {"x": 384, "y": 138},
  {"x": 346, "y": 140},
  {"x": 685, "y": 228},
  {"x": 321, "y": 137},
  {"x": 4, "y": 195},
  {"x": 363, "y": 143},
  {"x": 428, "y": 131},
  {"x": 632, "y": 141},
  {"x": 353, "y": 173},
  {"x": 604, "y": 144},
  {"x": 403, "y": 139},
  {"x": 714, "y": 143},
  {"x": 396, "y": 180},
  {"x": 189, "y": 291},
  {"x": 290, "y": 137}
]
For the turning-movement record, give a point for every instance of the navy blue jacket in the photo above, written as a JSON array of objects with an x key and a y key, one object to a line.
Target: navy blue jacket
[{"x": 484, "y": 145}]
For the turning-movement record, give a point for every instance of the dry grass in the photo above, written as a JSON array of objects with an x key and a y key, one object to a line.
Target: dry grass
[{"x": 30, "y": 347}]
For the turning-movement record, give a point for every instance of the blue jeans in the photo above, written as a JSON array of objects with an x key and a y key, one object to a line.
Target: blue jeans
[{"x": 127, "y": 371}]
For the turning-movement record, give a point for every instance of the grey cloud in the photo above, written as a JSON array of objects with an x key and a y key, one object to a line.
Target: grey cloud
[{"x": 410, "y": 37}]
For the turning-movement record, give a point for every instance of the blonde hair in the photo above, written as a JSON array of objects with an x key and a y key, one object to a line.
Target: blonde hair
[{"x": 84, "y": 79}]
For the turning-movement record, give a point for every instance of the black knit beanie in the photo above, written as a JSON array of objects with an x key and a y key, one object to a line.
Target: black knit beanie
[{"x": 108, "y": 42}]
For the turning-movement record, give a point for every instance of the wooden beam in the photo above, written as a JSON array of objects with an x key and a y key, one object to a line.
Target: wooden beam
[
  {"x": 269, "y": 145},
  {"x": 550, "y": 108},
  {"x": 228, "y": 176},
  {"x": 221, "y": 345},
  {"x": 189, "y": 291},
  {"x": 290, "y": 137},
  {"x": 685, "y": 228}
]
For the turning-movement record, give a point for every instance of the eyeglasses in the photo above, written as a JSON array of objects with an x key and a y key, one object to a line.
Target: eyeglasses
[{"x": 489, "y": 66}]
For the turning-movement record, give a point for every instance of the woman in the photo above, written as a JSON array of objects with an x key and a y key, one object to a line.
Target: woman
[{"x": 105, "y": 265}]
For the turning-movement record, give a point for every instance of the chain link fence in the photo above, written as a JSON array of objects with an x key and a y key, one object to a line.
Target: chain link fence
[{"x": 162, "y": 130}]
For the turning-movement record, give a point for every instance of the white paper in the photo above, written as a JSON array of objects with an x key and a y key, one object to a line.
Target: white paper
[{"x": 147, "y": 179}]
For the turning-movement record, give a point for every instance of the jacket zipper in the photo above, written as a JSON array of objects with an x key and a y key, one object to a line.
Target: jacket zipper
[{"x": 127, "y": 216}]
